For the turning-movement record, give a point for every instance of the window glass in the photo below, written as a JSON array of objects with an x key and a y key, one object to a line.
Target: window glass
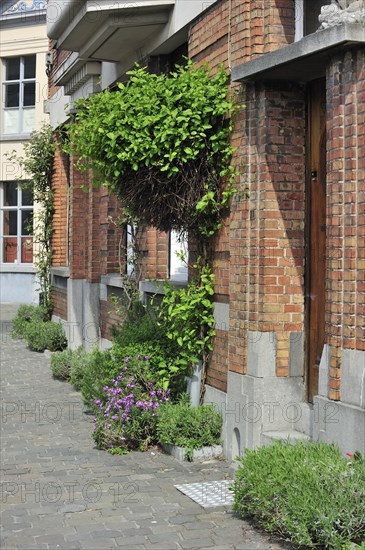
[
  {"x": 29, "y": 66},
  {"x": 10, "y": 222},
  {"x": 10, "y": 194},
  {"x": 27, "y": 197},
  {"x": 19, "y": 95},
  {"x": 27, "y": 250},
  {"x": 29, "y": 94},
  {"x": 28, "y": 120},
  {"x": 12, "y": 68},
  {"x": 11, "y": 121},
  {"x": 16, "y": 229},
  {"x": 10, "y": 250},
  {"x": 178, "y": 268},
  {"x": 12, "y": 95},
  {"x": 27, "y": 222}
]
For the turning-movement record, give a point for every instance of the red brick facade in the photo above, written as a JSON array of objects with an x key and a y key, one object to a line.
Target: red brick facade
[
  {"x": 346, "y": 209},
  {"x": 260, "y": 255}
]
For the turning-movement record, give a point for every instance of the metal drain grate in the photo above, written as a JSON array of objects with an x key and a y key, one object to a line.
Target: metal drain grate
[{"x": 208, "y": 494}]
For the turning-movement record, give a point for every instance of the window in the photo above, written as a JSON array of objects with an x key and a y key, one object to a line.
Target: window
[
  {"x": 306, "y": 16},
  {"x": 178, "y": 267},
  {"x": 19, "y": 95},
  {"x": 16, "y": 217}
]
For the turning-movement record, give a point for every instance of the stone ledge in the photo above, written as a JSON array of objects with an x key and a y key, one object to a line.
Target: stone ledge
[
  {"x": 204, "y": 453},
  {"x": 60, "y": 271},
  {"x": 291, "y": 436},
  {"x": 302, "y": 60}
]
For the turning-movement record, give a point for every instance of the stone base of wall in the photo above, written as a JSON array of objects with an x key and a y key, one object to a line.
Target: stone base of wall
[{"x": 339, "y": 422}]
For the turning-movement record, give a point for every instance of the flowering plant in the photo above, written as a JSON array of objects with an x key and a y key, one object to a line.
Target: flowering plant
[{"x": 126, "y": 413}]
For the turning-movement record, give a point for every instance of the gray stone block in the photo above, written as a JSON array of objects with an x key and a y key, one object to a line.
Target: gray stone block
[
  {"x": 261, "y": 356},
  {"x": 340, "y": 422},
  {"x": 353, "y": 377},
  {"x": 296, "y": 350},
  {"x": 205, "y": 453}
]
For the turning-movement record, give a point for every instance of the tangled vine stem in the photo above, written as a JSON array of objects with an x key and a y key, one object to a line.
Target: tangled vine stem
[{"x": 169, "y": 202}]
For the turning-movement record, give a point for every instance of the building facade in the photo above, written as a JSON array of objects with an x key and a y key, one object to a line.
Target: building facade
[
  {"x": 289, "y": 353},
  {"x": 24, "y": 88}
]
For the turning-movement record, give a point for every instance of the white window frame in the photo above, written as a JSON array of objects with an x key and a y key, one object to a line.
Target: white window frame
[
  {"x": 130, "y": 229},
  {"x": 178, "y": 269},
  {"x": 19, "y": 236},
  {"x": 21, "y": 81},
  {"x": 299, "y": 20}
]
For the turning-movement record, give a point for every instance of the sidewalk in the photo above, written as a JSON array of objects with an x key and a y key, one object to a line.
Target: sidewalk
[{"x": 59, "y": 491}]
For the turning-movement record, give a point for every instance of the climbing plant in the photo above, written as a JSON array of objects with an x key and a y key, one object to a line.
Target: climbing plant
[
  {"x": 37, "y": 163},
  {"x": 162, "y": 143},
  {"x": 187, "y": 317}
]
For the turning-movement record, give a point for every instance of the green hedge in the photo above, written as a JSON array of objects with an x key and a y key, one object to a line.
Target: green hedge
[
  {"x": 306, "y": 493},
  {"x": 27, "y": 314},
  {"x": 70, "y": 365},
  {"x": 189, "y": 427},
  {"x": 45, "y": 335}
]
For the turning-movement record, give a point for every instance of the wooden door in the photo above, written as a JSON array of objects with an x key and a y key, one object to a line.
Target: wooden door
[{"x": 316, "y": 217}]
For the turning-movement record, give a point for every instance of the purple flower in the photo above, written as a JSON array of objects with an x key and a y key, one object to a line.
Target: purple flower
[
  {"x": 139, "y": 357},
  {"x": 127, "y": 359},
  {"x": 147, "y": 357}
]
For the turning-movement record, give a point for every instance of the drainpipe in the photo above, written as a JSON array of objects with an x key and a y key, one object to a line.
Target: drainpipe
[{"x": 194, "y": 384}]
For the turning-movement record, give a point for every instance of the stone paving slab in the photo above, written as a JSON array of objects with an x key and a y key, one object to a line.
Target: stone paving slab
[{"x": 59, "y": 491}]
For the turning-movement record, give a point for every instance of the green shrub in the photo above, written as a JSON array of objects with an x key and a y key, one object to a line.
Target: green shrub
[
  {"x": 189, "y": 427},
  {"x": 97, "y": 372},
  {"x": 126, "y": 413},
  {"x": 307, "y": 493},
  {"x": 142, "y": 330},
  {"x": 61, "y": 364},
  {"x": 140, "y": 327},
  {"x": 45, "y": 335},
  {"x": 27, "y": 314},
  {"x": 70, "y": 365},
  {"x": 104, "y": 365},
  {"x": 79, "y": 363}
]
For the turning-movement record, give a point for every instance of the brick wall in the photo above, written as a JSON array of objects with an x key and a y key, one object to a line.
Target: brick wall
[
  {"x": 154, "y": 248},
  {"x": 235, "y": 31},
  {"x": 275, "y": 130},
  {"x": 258, "y": 257},
  {"x": 79, "y": 223},
  {"x": 58, "y": 57},
  {"x": 345, "y": 298},
  {"x": 60, "y": 187}
]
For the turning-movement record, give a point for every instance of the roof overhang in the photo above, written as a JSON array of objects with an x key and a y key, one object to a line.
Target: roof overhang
[
  {"x": 105, "y": 30},
  {"x": 304, "y": 60}
]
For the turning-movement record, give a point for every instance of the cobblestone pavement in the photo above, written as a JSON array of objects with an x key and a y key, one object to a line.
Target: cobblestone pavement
[{"x": 59, "y": 491}]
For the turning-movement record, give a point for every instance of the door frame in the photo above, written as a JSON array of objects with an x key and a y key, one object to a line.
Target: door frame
[{"x": 315, "y": 172}]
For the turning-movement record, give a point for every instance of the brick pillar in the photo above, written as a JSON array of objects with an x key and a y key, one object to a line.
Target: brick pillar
[
  {"x": 345, "y": 298},
  {"x": 268, "y": 267}
]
